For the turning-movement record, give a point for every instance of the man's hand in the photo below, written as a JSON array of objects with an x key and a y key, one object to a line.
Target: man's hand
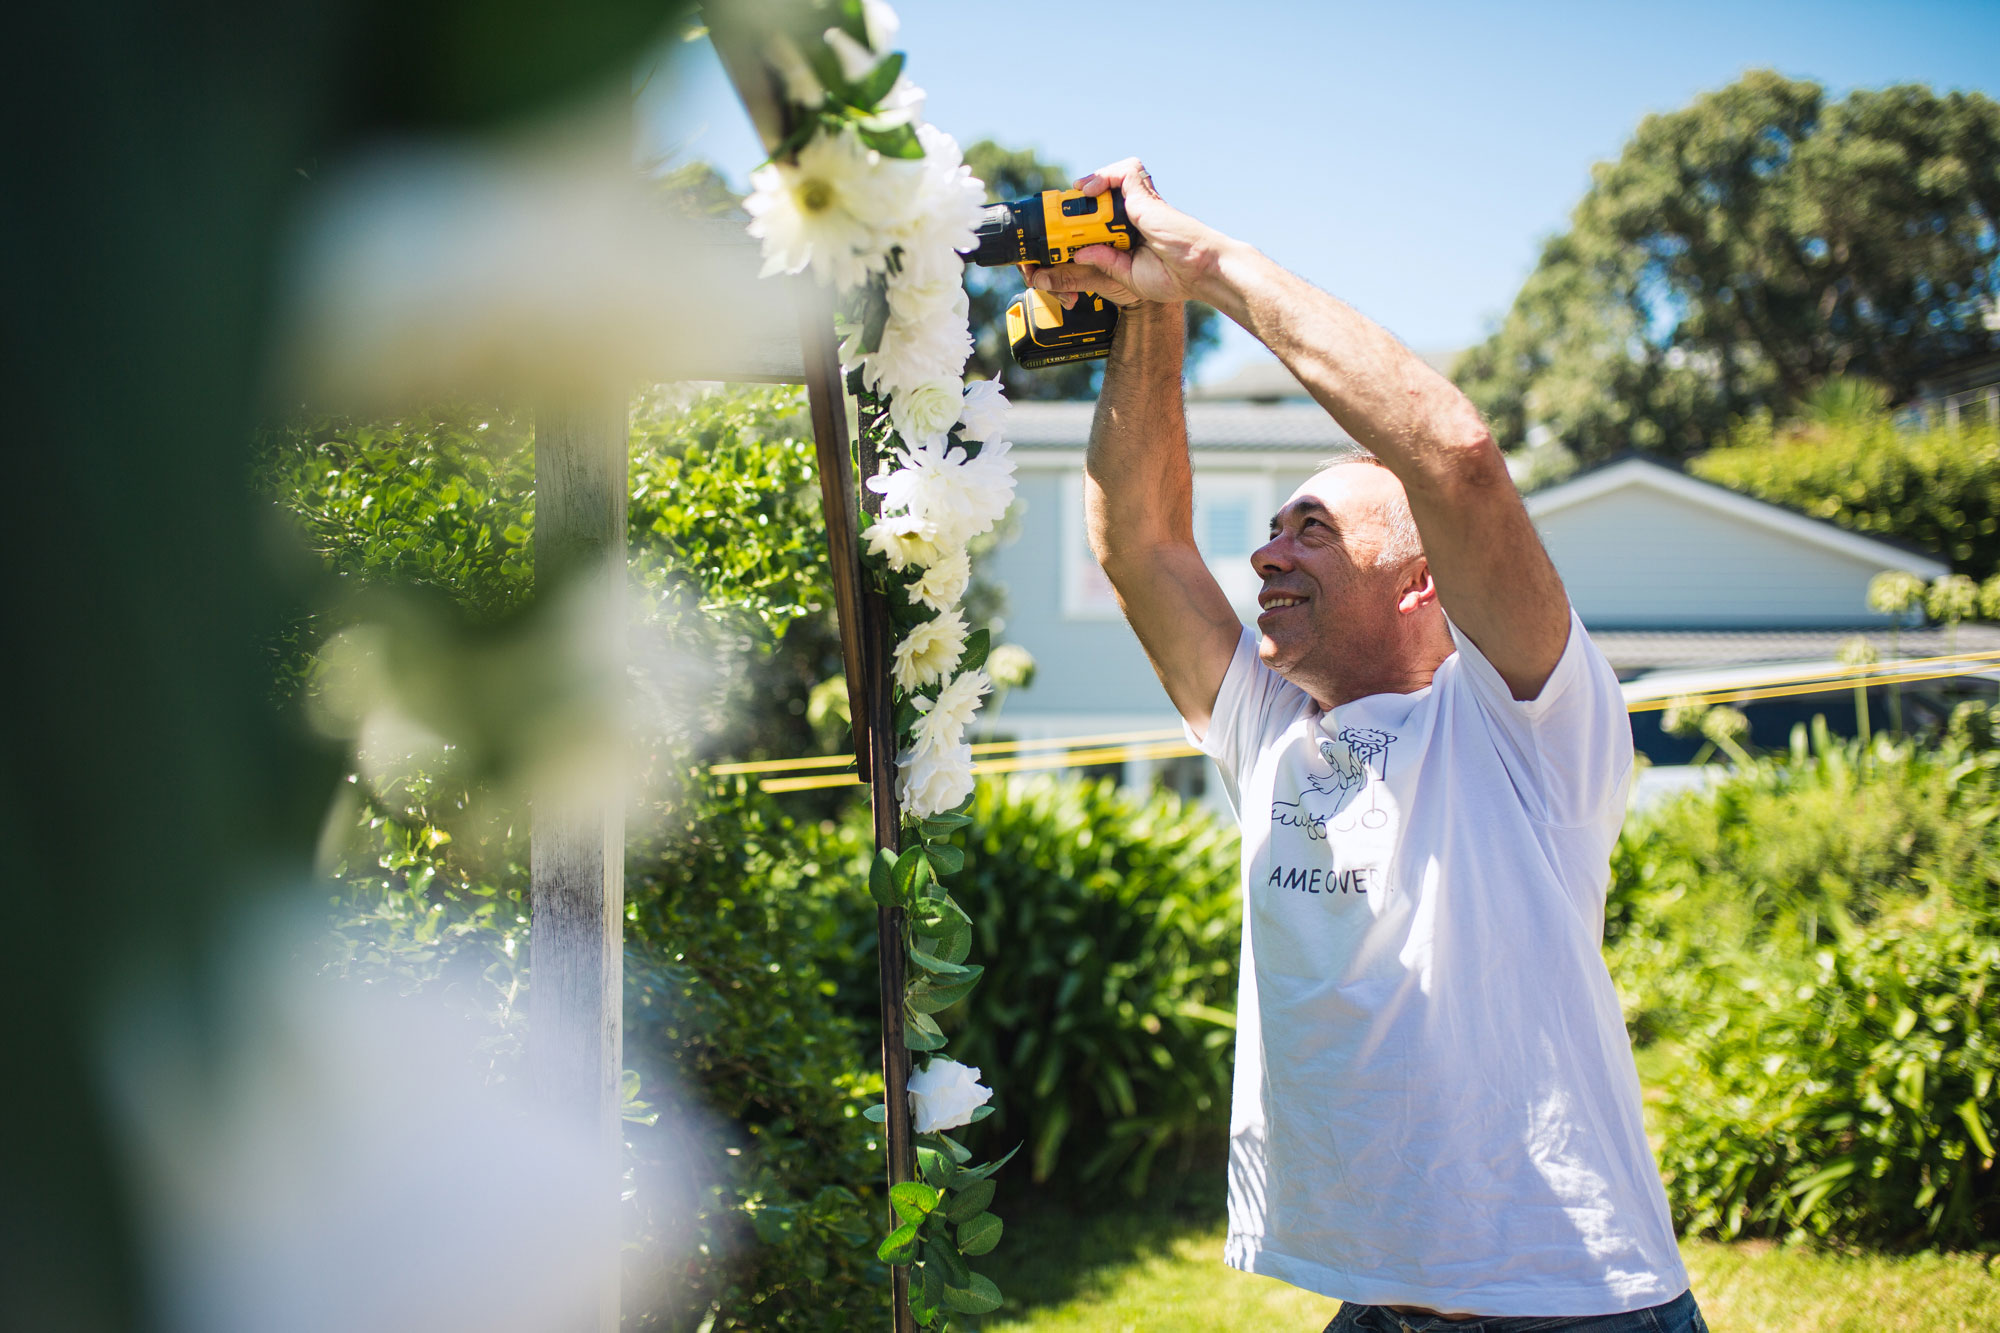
[{"x": 1174, "y": 257}]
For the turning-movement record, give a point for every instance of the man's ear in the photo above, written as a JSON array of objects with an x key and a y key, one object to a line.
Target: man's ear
[{"x": 1418, "y": 590}]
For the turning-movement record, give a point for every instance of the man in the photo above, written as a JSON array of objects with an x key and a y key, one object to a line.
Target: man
[{"x": 1436, "y": 1115}]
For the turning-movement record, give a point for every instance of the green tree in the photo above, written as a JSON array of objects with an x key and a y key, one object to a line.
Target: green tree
[
  {"x": 1742, "y": 250},
  {"x": 1016, "y": 173}
]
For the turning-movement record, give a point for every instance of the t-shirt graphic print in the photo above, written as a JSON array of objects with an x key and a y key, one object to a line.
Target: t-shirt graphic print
[{"x": 1434, "y": 1100}]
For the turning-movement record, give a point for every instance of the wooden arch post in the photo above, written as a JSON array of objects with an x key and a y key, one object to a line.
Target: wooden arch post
[{"x": 865, "y": 643}]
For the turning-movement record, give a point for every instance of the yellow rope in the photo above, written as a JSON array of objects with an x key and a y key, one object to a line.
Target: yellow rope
[{"x": 1166, "y": 743}]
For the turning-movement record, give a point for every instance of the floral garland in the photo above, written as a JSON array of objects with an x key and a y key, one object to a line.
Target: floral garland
[{"x": 878, "y": 204}]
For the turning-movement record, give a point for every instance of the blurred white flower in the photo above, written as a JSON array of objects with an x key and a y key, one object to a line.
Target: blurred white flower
[
  {"x": 944, "y": 1094},
  {"x": 923, "y": 413},
  {"x": 930, "y": 651},
  {"x": 820, "y": 210},
  {"x": 857, "y": 62},
  {"x": 944, "y": 583},
  {"x": 1011, "y": 666},
  {"x": 880, "y": 22},
  {"x": 929, "y": 782},
  {"x": 903, "y": 104},
  {"x": 984, "y": 411},
  {"x": 944, "y": 719},
  {"x": 903, "y": 541}
]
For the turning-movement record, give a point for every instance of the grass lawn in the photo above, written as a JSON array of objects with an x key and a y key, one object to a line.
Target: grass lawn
[{"x": 1162, "y": 1269}]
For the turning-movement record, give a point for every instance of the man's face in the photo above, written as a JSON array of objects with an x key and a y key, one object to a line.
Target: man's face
[{"x": 1327, "y": 598}]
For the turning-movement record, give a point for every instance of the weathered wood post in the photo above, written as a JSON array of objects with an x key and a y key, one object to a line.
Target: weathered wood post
[{"x": 577, "y": 891}]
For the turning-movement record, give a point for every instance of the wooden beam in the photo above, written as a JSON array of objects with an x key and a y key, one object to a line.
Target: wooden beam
[{"x": 577, "y": 890}]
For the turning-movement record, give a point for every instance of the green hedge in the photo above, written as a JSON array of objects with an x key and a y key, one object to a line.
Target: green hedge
[
  {"x": 1810, "y": 953},
  {"x": 1938, "y": 489}
]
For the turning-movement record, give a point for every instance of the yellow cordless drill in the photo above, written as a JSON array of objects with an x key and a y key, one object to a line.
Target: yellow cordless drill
[{"x": 1050, "y": 228}]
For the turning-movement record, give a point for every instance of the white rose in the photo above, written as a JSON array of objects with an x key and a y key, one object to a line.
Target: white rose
[
  {"x": 984, "y": 411},
  {"x": 930, "y": 651},
  {"x": 923, "y": 413},
  {"x": 944, "y": 582},
  {"x": 929, "y": 782},
  {"x": 944, "y": 1094}
]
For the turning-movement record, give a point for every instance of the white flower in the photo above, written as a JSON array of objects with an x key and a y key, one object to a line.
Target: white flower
[
  {"x": 944, "y": 212},
  {"x": 984, "y": 413},
  {"x": 923, "y": 413},
  {"x": 926, "y": 337},
  {"x": 1010, "y": 665},
  {"x": 944, "y": 719},
  {"x": 822, "y": 209},
  {"x": 930, "y": 651},
  {"x": 929, "y": 782},
  {"x": 880, "y": 23},
  {"x": 857, "y": 62},
  {"x": 944, "y": 583},
  {"x": 944, "y": 1094},
  {"x": 802, "y": 86},
  {"x": 953, "y": 497},
  {"x": 904, "y": 541}
]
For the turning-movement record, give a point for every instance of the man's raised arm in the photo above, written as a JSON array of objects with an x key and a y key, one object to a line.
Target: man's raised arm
[
  {"x": 1493, "y": 577},
  {"x": 1138, "y": 494}
]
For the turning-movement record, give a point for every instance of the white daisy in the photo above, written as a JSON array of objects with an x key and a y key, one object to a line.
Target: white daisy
[
  {"x": 903, "y": 541},
  {"x": 929, "y": 782},
  {"x": 984, "y": 413},
  {"x": 945, "y": 718},
  {"x": 819, "y": 210}
]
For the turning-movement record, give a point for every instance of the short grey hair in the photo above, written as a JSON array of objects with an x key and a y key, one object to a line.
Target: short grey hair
[{"x": 1402, "y": 542}]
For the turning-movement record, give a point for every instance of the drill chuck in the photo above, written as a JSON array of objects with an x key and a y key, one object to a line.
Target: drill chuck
[{"x": 1049, "y": 228}]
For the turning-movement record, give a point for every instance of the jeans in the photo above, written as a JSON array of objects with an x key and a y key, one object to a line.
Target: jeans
[{"x": 1679, "y": 1315}]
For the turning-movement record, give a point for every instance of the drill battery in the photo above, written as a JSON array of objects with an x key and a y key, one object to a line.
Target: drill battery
[{"x": 1050, "y": 228}]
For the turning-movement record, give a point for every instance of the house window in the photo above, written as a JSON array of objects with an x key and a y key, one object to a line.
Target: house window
[{"x": 1231, "y": 512}]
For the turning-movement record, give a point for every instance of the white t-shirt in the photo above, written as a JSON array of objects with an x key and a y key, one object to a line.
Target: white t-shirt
[{"x": 1435, "y": 1101}]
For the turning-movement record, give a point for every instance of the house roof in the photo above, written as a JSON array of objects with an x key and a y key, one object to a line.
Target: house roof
[
  {"x": 1261, "y": 427},
  {"x": 1638, "y": 651},
  {"x": 1640, "y": 471}
]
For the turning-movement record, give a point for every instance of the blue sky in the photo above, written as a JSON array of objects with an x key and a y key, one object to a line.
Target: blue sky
[{"x": 1408, "y": 157}]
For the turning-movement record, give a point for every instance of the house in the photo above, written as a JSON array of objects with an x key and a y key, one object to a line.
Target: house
[{"x": 1668, "y": 573}]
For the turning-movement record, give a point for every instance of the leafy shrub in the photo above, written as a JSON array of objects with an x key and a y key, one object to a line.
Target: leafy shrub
[
  {"x": 1812, "y": 947},
  {"x": 732, "y": 1018},
  {"x": 1854, "y": 1104},
  {"x": 1108, "y": 926},
  {"x": 1937, "y": 488}
]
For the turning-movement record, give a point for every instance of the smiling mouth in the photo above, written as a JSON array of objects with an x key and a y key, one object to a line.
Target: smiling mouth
[{"x": 1278, "y": 601}]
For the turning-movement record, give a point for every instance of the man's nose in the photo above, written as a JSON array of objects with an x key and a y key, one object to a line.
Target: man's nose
[{"x": 1272, "y": 557}]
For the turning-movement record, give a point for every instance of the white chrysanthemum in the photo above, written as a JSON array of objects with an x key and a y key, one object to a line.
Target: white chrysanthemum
[
  {"x": 924, "y": 413},
  {"x": 802, "y": 86},
  {"x": 880, "y": 22},
  {"x": 944, "y": 213},
  {"x": 929, "y": 782},
  {"x": 954, "y": 498},
  {"x": 926, "y": 337},
  {"x": 944, "y": 719},
  {"x": 944, "y": 582},
  {"x": 904, "y": 541},
  {"x": 984, "y": 412},
  {"x": 822, "y": 210},
  {"x": 930, "y": 651}
]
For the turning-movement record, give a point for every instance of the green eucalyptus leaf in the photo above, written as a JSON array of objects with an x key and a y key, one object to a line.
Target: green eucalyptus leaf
[
  {"x": 969, "y": 1202},
  {"x": 882, "y": 878},
  {"x": 880, "y": 80},
  {"x": 899, "y": 1246},
  {"x": 932, "y": 963},
  {"x": 979, "y": 1113},
  {"x": 912, "y": 873},
  {"x": 979, "y": 1235},
  {"x": 960, "y": 1154},
  {"x": 900, "y": 141},
  {"x": 956, "y": 945},
  {"x": 979, "y": 1296},
  {"x": 956, "y": 1274},
  {"x": 937, "y": 999},
  {"x": 933, "y": 1167},
  {"x": 982, "y": 1172},
  {"x": 945, "y": 824},
  {"x": 945, "y": 859},
  {"x": 913, "y": 1200},
  {"x": 977, "y": 645},
  {"x": 874, "y": 316},
  {"x": 933, "y": 1285}
]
